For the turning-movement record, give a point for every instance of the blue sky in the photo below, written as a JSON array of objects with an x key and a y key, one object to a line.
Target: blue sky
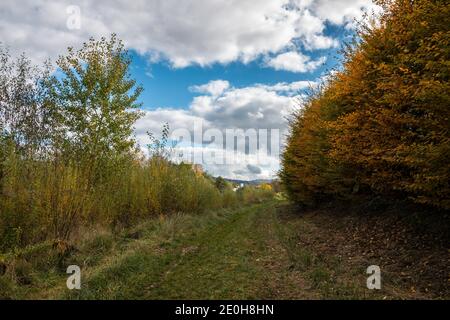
[
  {"x": 224, "y": 64},
  {"x": 165, "y": 86}
]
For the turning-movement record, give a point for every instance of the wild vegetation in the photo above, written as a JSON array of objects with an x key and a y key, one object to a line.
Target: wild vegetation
[
  {"x": 76, "y": 189},
  {"x": 379, "y": 127},
  {"x": 68, "y": 160},
  {"x": 261, "y": 251}
]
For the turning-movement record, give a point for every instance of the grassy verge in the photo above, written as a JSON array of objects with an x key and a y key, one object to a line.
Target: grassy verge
[
  {"x": 326, "y": 275},
  {"x": 261, "y": 251},
  {"x": 223, "y": 254}
]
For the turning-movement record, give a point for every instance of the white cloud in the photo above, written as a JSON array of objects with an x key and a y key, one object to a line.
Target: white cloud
[
  {"x": 255, "y": 107},
  {"x": 153, "y": 121},
  {"x": 183, "y": 32},
  {"x": 311, "y": 35},
  {"x": 246, "y": 166},
  {"x": 342, "y": 11},
  {"x": 249, "y": 107},
  {"x": 259, "y": 106},
  {"x": 214, "y": 88},
  {"x": 289, "y": 88},
  {"x": 295, "y": 62}
]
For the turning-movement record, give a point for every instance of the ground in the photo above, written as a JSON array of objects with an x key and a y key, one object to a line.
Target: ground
[{"x": 264, "y": 251}]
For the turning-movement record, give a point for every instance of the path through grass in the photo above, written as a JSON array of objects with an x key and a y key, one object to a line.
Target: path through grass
[
  {"x": 225, "y": 255},
  {"x": 253, "y": 252}
]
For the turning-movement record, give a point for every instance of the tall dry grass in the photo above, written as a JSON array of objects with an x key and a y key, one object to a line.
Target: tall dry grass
[
  {"x": 52, "y": 196},
  {"x": 47, "y": 200}
]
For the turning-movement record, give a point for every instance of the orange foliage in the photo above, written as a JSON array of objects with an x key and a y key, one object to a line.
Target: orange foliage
[{"x": 381, "y": 125}]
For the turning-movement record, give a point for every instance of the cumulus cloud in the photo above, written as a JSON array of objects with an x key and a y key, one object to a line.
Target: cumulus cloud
[
  {"x": 289, "y": 88},
  {"x": 254, "y": 169},
  {"x": 248, "y": 107},
  {"x": 257, "y": 107},
  {"x": 182, "y": 32},
  {"x": 342, "y": 11},
  {"x": 153, "y": 120},
  {"x": 246, "y": 166},
  {"x": 214, "y": 88},
  {"x": 295, "y": 62}
]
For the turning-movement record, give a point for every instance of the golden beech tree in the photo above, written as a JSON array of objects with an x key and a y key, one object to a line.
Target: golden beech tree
[{"x": 381, "y": 125}]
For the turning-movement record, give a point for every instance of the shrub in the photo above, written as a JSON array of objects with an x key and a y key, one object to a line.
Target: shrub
[{"x": 380, "y": 125}]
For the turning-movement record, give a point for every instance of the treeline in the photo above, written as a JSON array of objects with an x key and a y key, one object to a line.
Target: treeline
[
  {"x": 68, "y": 160},
  {"x": 380, "y": 125}
]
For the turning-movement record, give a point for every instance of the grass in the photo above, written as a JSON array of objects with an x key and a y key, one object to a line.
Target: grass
[
  {"x": 221, "y": 255},
  {"x": 327, "y": 277},
  {"x": 251, "y": 252},
  {"x": 158, "y": 259}
]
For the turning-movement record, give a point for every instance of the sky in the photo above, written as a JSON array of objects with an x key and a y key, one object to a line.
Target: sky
[{"x": 217, "y": 64}]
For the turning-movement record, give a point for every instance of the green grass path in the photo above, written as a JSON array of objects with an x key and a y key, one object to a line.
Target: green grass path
[
  {"x": 226, "y": 255},
  {"x": 262, "y": 251}
]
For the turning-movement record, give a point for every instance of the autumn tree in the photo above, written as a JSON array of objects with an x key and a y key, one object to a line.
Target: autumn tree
[{"x": 380, "y": 126}]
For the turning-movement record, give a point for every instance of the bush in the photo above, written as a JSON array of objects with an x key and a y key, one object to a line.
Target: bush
[
  {"x": 380, "y": 126},
  {"x": 41, "y": 200},
  {"x": 254, "y": 194}
]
